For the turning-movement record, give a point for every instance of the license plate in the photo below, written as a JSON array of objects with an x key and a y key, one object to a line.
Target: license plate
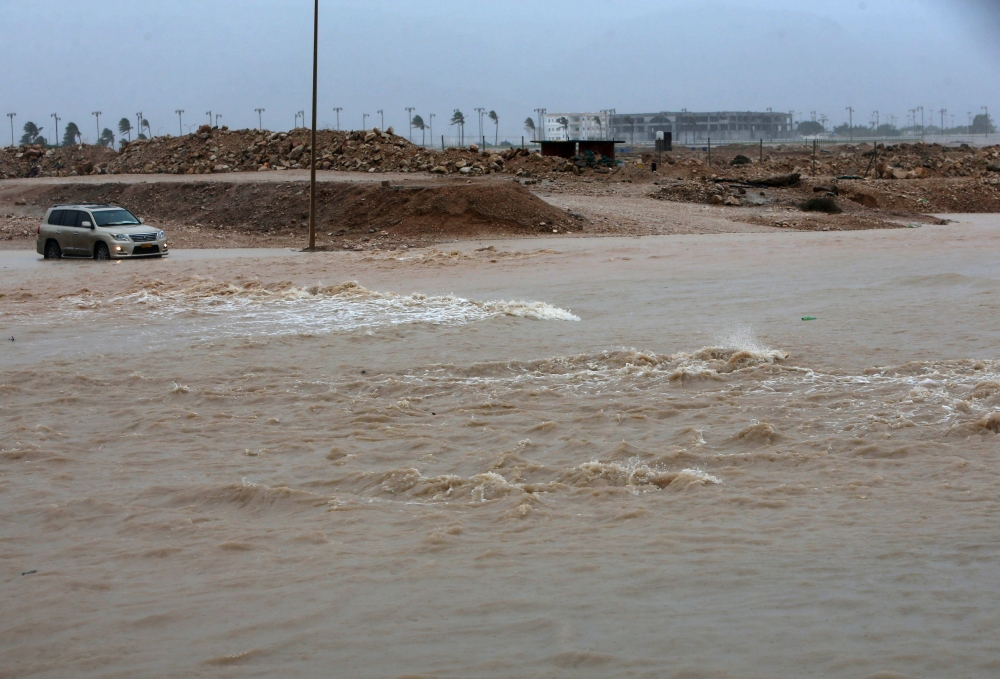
[{"x": 145, "y": 248}]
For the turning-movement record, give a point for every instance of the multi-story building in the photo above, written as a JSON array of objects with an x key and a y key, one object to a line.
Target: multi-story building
[
  {"x": 690, "y": 127},
  {"x": 564, "y": 126}
]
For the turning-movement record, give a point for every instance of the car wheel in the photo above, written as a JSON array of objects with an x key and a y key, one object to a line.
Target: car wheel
[
  {"x": 52, "y": 250},
  {"x": 101, "y": 252}
]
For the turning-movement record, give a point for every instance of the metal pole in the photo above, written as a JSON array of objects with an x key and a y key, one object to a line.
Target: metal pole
[
  {"x": 337, "y": 111},
  {"x": 97, "y": 114},
  {"x": 312, "y": 151},
  {"x": 180, "y": 120},
  {"x": 710, "y": 152},
  {"x": 814, "y": 157},
  {"x": 409, "y": 121},
  {"x": 851, "y": 123},
  {"x": 260, "y": 119},
  {"x": 11, "y": 116}
]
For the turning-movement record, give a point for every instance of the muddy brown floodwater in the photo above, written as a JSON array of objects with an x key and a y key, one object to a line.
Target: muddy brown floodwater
[{"x": 606, "y": 458}]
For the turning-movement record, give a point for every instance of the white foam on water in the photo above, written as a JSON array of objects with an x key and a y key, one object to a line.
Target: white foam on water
[{"x": 254, "y": 309}]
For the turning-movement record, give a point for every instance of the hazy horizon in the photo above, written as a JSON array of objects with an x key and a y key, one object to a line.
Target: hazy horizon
[{"x": 512, "y": 57}]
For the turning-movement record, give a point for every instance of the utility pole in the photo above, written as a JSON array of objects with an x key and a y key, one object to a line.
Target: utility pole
[
  {"x": 337, "y": 111},
  {"x": 138, "y": 118},
  {"x": 382, "y": 114},
  {"x": 364, "y": 121},
  {"x": 12, "y": 116},
  {"x": 430, "y": 124},
  {"x": 96, "y": 114},
  {"x": 302, "y": 114},
  {"x": 260, "y": 119},
  {"x": 312, "y": 147},
  {"x": 209, "y": 114},
  {"x": 921, "y": 109},
  {"x": 850, "y": 124},
  {"x": 878, "y": 122},
  {"x": 409, "y": 119},
  {"x": 57, "y": 128},
  {"x": 968, "y": 130},
  {"x": 180, "y": 120},
  {"x": 943, "y": 111},
  {"x": 989, "y": 127},
  {"x": 217, "y": 116},
  {"x": 480, "y": 112}
]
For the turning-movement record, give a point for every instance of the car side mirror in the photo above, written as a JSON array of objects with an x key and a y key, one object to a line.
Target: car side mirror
[
  {"x": 87, "y": 225},
  {"x": 142, "y": 220}
]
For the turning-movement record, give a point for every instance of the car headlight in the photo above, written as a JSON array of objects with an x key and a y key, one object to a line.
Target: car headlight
[
  {"x": 160, "y": 235},
  {"x": 120, "y": 237}
]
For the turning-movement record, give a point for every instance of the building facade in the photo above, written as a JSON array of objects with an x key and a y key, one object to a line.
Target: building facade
[
  {"x": 692, "y": 127},
  {"x": 564, "y": 126}
]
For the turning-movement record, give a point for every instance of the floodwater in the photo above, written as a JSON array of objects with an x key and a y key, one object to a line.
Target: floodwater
[{"x": 613, "y": 458}]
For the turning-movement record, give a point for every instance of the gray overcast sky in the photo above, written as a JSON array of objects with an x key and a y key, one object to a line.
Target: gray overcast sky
[{"x": 232, "y": 56}]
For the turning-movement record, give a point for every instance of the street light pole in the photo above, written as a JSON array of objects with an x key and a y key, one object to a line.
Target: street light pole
[
  {"x": 409, "y": 121},
  {"x": 430, "y": 124},
  {"x": 312, "y": 148},
  {"x": 11, "y": 116},
  {"x": 480, "y": 110},
  {"x": 382, "y": 118},
  {"x": 260, "y": 119},
  {"x": 989, "y": 128},
  {"x": 364, "y": 121},
  {"x": 57, "y": 127},
  {"x": 921, "y": 109},
  {"x": 180, "y": 120},
  {"x": 209, "y": 114},
  {"x": 337, "y": 111},
  {"x": 217, "y": 116},
  {"x": 138, "y": 119},
  {"x": 96, "y": 114},
  {"x": 850, "y": 124}
]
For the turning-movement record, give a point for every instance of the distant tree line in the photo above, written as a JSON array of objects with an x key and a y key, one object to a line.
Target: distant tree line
[{"x": 72, "y": 134}]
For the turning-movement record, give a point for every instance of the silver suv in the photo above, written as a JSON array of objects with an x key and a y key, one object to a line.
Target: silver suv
[{"x": 98, "y": 232}]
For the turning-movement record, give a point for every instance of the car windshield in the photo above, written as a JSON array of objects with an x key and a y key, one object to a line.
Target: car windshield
[{"x": 115, "y": 218}]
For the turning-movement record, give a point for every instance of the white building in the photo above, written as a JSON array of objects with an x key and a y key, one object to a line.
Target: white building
[{"x": 565, "y": 126}]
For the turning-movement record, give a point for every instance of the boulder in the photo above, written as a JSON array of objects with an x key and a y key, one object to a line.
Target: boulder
[
  {"x": 439, "y": 169},
  {"x": 731, "y": 200},
  {"x": 716, "y": 199},
  {"x": 740, "y": 160},
  {"x": 297, "y": 152},
  {"x": 474, "y": 148},
  {"x": 779, "y": 180}
]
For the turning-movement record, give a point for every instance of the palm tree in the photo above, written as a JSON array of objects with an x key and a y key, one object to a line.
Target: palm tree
[
  {"x": 600, "y": 127},
  {"x": 418, "y": 124},
  {"x": 458, "y": 118},
  {"x": 107, "y": 138},
  {"x": 145, "y": 123},
  {"x": 529, "y": 127},
  {"x": 564, "y": 123},
  {"x": 125, "y": 127},
  {"x": 492, "y": 115},
  {"x": 32, "y": 134},
  {"x": 72, "y": 132}
]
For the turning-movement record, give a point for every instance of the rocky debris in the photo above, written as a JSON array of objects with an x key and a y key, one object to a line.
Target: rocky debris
[
  {"x": 66, "y": 161},
  {"x": 740, "y": 160},
  {"x": 865, "y": 199}
]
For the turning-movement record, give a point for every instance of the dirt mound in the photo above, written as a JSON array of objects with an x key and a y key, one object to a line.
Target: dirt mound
[
  {"x": 35, "y": 161},
  {"x": 349, "y": 211}
]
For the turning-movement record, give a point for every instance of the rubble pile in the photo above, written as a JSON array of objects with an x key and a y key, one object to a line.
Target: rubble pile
[{"x": 67, "y": 161}]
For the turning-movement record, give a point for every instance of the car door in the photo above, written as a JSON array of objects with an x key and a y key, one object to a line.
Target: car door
[
  {"x": 55, "y": 229},
  {"x": 69, "y": 229},
  {"x": 85, "y": 236}
]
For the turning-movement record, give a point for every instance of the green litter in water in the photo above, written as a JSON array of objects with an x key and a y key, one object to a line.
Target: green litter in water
[{"x": 808, "y": 318}]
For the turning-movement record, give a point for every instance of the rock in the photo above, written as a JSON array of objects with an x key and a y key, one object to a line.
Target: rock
[
  {"x": 731, "y": 200},
  {"x": 740, "y": 160},
  {"x": 205, "y": 129},
  {"x": 835, "y": 190},
  {"x": 864, "y": 199},
  {"x": 377, "y": 132},
  {"x": 919, "y": 173},
  {"x": 779, "y": 180},
  {"x": 716, "y": 199},
  {"x": 466, "y": 170},
  {"x": 297, "y": 152},
  {"x": 390, "y": 131},
  {"x": 897, "y": 173},
  {"x": 474, "y": 148},
  {"x": 460, "y": 164},
  {"x": 993, "y": 167},
  {"x": 369, "y": 137},
  {"x": 439, "y": 169}
]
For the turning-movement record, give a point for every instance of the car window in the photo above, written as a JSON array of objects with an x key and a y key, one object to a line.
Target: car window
[
  {"x": 82, "y": 217},
  {"x": 118, "y": 217},
  {"x": 69, "y": 218},
  {"x": 55, "y": 218}
]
